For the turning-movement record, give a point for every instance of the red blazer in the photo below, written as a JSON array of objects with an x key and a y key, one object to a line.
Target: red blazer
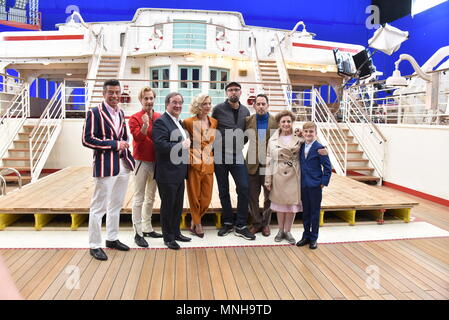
[{"x": 143, "y": 146}]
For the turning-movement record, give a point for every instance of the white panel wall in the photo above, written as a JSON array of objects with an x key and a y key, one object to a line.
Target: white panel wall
[{"x": 417, "y": 157}]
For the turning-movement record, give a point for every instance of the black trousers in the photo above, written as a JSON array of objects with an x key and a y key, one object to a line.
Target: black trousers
[{"x": 172, "y": 199}]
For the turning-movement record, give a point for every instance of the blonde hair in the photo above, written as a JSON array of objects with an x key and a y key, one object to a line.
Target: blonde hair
[
  {"x": 309, "y": 125},
  {"x": 146, "y": 89},
  {"x": 197, "y": 102}
]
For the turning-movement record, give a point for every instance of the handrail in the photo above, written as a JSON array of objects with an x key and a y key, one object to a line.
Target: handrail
[
  {"x": 326, "y": 121},
  {"x": 123, "y": 54},
  {"x": 373, "y": 145},
  {"x": 10, "y": 76},
  {"x": 13, "y": 170},
  {"x": 255, "y": 58},
  {"x": 43, "y": 137},
  {"x": 45, "y": 112},
  {"x": 283, "y": 60},
  {"x": 3, "y": 188},
  {"x": 283, "y": 68},
  {"x": 96, "y": 56},
  {"x": 367, "y": 119},
  {"x": 16, "y": 110}
]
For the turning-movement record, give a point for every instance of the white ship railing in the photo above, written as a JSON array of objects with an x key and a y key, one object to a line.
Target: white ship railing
[
  {"x": 368, "y": 135},
  {"x": 46, "y": 131},
  {"x": 330, "y": 133},
  {"x": 403, "y": 105},
  {"x": 13, "y": 118}
]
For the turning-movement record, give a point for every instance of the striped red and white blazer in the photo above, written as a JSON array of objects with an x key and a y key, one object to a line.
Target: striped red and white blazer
[{"x": 99, "y": 134}]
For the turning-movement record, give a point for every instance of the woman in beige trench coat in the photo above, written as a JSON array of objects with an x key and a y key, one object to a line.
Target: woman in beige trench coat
[{"x": 283, "y": 174}]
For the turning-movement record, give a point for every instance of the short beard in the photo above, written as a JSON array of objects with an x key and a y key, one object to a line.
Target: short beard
[{"x": 234, "y": 99}]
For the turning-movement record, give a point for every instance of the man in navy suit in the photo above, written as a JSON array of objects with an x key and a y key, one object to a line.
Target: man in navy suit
[
  {"x": 316, "y": 172},
  {"x": 172, "y": 155},
  {"x": 105, "y": 132}
]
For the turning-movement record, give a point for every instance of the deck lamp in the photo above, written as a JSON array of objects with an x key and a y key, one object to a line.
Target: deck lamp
[{"x": 432, "y": 80}]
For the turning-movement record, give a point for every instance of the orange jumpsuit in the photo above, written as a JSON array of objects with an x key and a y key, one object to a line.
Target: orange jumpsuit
[{"x": 201, "y": 169}]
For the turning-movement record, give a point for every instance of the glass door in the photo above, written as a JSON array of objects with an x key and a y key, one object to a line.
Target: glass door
[
  {"x": 217, "y": 89},
  {"x": 189, "y": 86},
  {"x": 159, "y": 83}
]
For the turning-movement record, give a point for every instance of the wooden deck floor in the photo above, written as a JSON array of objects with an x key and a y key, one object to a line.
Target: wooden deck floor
[
  {"x": 407, "y": 269},
  {"x": 411, "y": 269},
  {"x": 69, "y": 191}
]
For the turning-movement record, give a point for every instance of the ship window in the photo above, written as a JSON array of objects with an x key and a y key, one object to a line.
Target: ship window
[
  {"x": 184, "y": 72},
  {"x": 217, "y": 89},
  {"x": 189, "y": 34},
  {"x": 217, "y": 74},
  {"x": 213, "y": 77},
  {"x": 158, "y": 75}
]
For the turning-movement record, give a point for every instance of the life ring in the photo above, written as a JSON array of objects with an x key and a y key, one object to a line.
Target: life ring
[
  {"x": 250, "y": 101},
  {"x": 125, "y": 98},
  {"x": 156, "y": 38},
  {"x": 222, "y": 41}
]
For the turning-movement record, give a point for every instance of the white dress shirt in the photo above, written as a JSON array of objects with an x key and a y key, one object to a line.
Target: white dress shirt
[
  {"x": 307, "y": 148},
  {"x": 178, "y": 124}
]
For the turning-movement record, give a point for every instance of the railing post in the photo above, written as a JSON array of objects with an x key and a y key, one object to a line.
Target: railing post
[{"x": 313, "y": 105}]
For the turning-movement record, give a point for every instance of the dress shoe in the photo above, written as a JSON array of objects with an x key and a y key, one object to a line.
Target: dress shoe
[
  {"x": 182, "y": 238},
  {"x": 195, "y": 232},
  {"x": 313, "y": 245},
  {"x": 303, "y": 242},
  {"x": 172, "y": 245},
  {"x": 266, "y": 231},
  {"x": 98, "y": 254},
  {"x": 152, "y": 234},
  {"x": 254, "y": 230},
  {"x": 116, "y": 245},
  {"x": 140, "y": 241}
]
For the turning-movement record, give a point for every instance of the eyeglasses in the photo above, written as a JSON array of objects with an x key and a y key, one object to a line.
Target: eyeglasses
[{"x": 233, "y": 90}]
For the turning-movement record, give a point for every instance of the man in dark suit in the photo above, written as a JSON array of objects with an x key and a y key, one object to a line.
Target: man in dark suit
[
  {"x": 172, "y": 156},
  {"x": 105, "y": 132},
  {"x": 316, "y": 170}
]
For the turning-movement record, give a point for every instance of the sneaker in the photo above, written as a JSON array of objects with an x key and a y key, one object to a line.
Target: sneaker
[
  {"x": 244, "y": 233},
  {"x": 288, "y": 236},
  {"x": 225, "y": 230},
  {"x": 279, "y": 236}
]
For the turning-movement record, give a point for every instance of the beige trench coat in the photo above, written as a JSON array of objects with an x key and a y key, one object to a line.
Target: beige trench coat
[{"x": 283, "y": 172}]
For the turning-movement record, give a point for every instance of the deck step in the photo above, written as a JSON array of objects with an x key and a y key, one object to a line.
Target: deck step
[
  {"x": 359, "y": 168},
  {"x": 16, "y": 159},
  {"x": 14, "y": 178},
  {"x": 364, "y": 178},
  {"x": 25, "y": 169}
]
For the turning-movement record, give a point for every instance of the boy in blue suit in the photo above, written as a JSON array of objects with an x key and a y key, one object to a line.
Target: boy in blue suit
[{"x": 316, "y": 172}]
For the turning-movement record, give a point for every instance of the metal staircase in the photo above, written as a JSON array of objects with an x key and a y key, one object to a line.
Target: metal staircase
[
  {"x": 108, "y": 68},
  {"x": 29, "y": 147},
  {"x": 350, "y": 150},
  {"x": 272, "y": 76}
]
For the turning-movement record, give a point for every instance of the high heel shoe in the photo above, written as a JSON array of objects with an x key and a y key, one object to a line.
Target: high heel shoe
[{"x": 194, "y": 232}]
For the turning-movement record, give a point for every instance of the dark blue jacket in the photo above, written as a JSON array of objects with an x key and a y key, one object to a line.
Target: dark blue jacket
[{"x": 316, "y": 170}]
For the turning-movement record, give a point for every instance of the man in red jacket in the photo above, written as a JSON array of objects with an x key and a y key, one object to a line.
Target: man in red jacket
[{"x": 141, "y": 127}]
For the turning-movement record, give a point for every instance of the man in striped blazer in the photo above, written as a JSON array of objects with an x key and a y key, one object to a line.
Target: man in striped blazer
[{"x": 105, "y": 132}]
